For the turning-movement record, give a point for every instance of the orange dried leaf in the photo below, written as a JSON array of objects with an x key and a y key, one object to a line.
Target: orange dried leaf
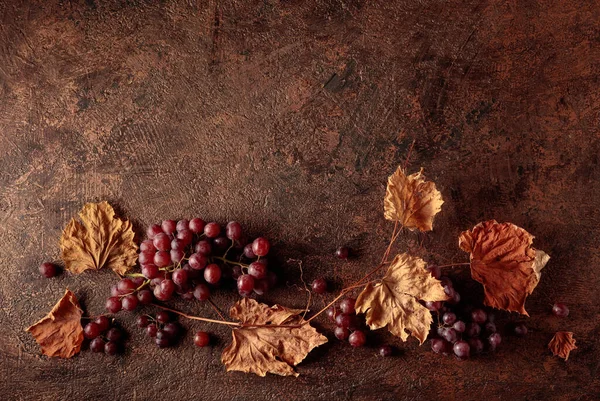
[
  {"x": 99, "y": 240},
  {"x": 411, "y": 200},
  {"x": 263, "y": 350},
  {"x": 393, "y": 302},
  {"x": 60, "y": 333},
  {"x": 562, "y": 344},
  {"x": 503, "y": 260}
]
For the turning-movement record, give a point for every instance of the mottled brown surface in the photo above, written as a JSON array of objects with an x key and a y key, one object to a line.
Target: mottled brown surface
[{"x": 289, "y": 116}]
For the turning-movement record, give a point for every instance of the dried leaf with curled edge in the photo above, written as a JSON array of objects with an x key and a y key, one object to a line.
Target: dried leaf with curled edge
[
  {"x": 393, "y": 302},
  {"x": 263, "y": 350},
  {"x": 60, "y": 333},
  {"x": 99, "y": 240},
  {"x": 562, "y": 344},
  {"x": 411, "y": 200},
  {"x": 503, "y": 260}
]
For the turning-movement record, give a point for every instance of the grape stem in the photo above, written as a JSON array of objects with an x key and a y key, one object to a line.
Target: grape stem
[
  {"x": 203, "y": 319},
  {"x": 455, "y": 264},
  {"x": 231, "y": 262}
]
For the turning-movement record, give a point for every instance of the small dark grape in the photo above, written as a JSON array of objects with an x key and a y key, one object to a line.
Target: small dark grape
[
  {"x": 169, "y": 226},
  {"x": 560, "y": 310},
  {"x": 212, "y": 273},
  {"x": 331, "y": 313},
  {"x": 201, "y": 339},
  {"x": 162, "y": 339},
  {"x": 103, "y": 323},
  {"x": 245, "y": 283},
  {"x": 48, "y": 269},
  {"x": 341, "y": 333},
  {"x": 257, "y": 270},
  {"x": 438, "y": 345},
  {"x": 385, "y": 351},
  {"x": 163, "y": 317},
  {"x": 319, "y": 286},
  {"x": 476, "y": 345},
  {"x": 433, "y": 306},
  {"x": 173, "y": 330},
  {"x": 357, "y": 338},
  {"x": 478, "y": 316},
  {"x": 490, "y": 327},
  {"x": 182, "y": 224},
  {"x": 495, "y": 339},
  {"x": 459, "y": 326},
  {"x": 221, "y": 244},
  {"x": 261, "y": 246},
  {"x": 520, "y": 330},
  {"x": 203, "y": 248},
  {"x": 97, "y": 345},
  {"x": 347, "y": 305},
  {"x": 145, "y": 296},
  {"x": 344, "y": 320},
  {"x": 212, "y": 230},
  {"x": 114, "y": 334},
  {"x": 197, "y": 225},
  {"x": 248, "y": 252},
  {"x": 233, "y": 230},
  {"x": 154, "y": 230},
  {"x": 450, "y": 335},
  {"x": 113, "y": 304},
  {"x": 111, "y": 348},
  {"x": 129, "y": 302},
  {"x": 449, "y": 318},
  {"x": 142, "y": 321},
  {"x": 473, "y": 330},
  {"x": 342, "y": 252},
  {"x": 201, "y": 292},
  {"x": 91, "y": 330},
  {"x": 462, "y": 349},
  {"x": 151, "y": 330},
  {"x": 261, "y": 286}
]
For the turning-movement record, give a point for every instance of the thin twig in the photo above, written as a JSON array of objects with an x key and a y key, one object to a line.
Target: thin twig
[
  {"x": 305, "y": 286},
  {"x": 455, "y": 264},
  {"x": 216, "y": 308},
  {"x": 203, "y": 319}
]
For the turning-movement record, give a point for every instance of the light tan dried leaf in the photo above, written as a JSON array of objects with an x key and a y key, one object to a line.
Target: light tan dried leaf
[
  {"x": 411, "y": 200},
  {"x": 99, "y": 240},
  {"x": 503, "y": 260},
  {"x": 60, "y": 333},
  {"x": 562, "y": 344},
  {"x": 393, "y": 302},
  {"x": 263, "y": 350}
]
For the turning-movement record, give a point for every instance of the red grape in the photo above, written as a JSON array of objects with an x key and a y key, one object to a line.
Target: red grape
[
  {"x": 48, "y": 269},
  {"x": 357, "y": 339},
  {"x": 342, "y": 253},
  {"x": 168, "y": 226},
  {"x": 201, "y": 339},
  {"x": 560, "y": 310},
  {"x": 212, "y": 230},
  {"x": 182, "y": 224},
  {"x": 162, "y": 259},
  {"x": 261, "y": 246},
  {"x": 203, "y": 248},
  {"x": 91, "y": 330},
  {"x": 97, "y": 345},
  {"x": 347, "y": 305},
  {"x": 212, "y": 273},
  {"x": 257, "y": 270},
  {"x": 103, "y": 322},
  {"x": 341, "y": 333},
  {"x": 245, "y": 283},
  {"x": 233, "y": 230},
  {"x": 197, "y": 261},
  {"x": 129, "y": 302},
  {"x": 197, "y": 225},
  {"x": 147, "y": 246},
  {"x": 153, "y": 230},
  {"x": 201, "y": 292},
  {"x": 113, "y": 304},
  {"x": 162, "y": 242},
  {"x": 319, "y": 286}
]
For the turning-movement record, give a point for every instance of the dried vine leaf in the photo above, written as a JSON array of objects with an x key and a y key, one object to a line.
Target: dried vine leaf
[
  {"x": 393, "y": 302},
  {"x": 99, "y": 240},
  {"x": 411, "y": 200},
  {"x": 562, "y": 344},
  {"x": 60, "y": 333},
  {"x": 263, "y": 350},
  {"x": 503, "y": 260}
]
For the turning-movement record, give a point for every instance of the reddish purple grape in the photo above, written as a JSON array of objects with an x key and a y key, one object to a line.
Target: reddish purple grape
[
  {"x": 449, "y": 318},
  {"x": 490, "y": 327},
  {"x": 185, "y": 236},
  {"x": 167, "y": 287},
  {"x": 473, "y": 330},
  {"x": 150, "y": 271},
  {"x": 478, "y": 316},
  {"x": 248, "y": 252},
  {"x": 147, "y": 246},
  {"x": 450, "y": 335},
  {"x": 111, "y": 348},
  {"x": 97, "y": 345},
  {"x": 520, "y": 330},
  {"x": 245, "y": 284},
  {"x": 49, "y": 270},
  {"x": 494, "y": 340},
  {"x": 168, "y": 226},
  {"x": 212, "y": 273},
  {"x": 113, "y": 304},
  {"x": 261, "y": 286},
  {"x": 129, "y": 302},
  {"x": 257, "y": 270},
  {"x": 343, "y": 320},
  {"x": 180, "y": 277},
  {"x": 163, "y": 317},
  {"x": 212, "y": 230},
  {"x": 178, "y": 245},
  {"x": 153, "y": 230},
  {"x": 103, "y": 323},
  {"x": 342, "y": 252},
  {"x": 114, "y": 334},
  {"x": 433, "y": 306},
  {"x": 162, "y": 259},
  {"x": 462, "y": 349},
  {"x": 201, "y": 339},
  {"x": 159, "y": 295},
  {"x": 347, "y": 305},
  {"x": 385, "y": 351},
  {"x": 146, "y": 257},
  {"x": 221, "y": 243},
  {"x": 331, "y": 313},
  {"x": 162, "y": 242},
  {"x": 476, "y": 345},
  {"x": 177, "y": 256},
  {"x": 357, "y": 338},
  {"x": 182, "y": 224},
  {"x": 201, "y": 292},
  {"x": 319, "y": 286},
  {"x": 197, "y": 225},
  {"x": 173, "y": 330},
  {"x": 203, "y": 248},
  {"x": 459, "y": 326},
  {"x": 142, "y": 321},
  {"x": 151, "y": 330},
  {"x": 439, "y": 346},
  {"x": 341, "y": 333},
  {"x": 233, "y": 230},
  {"x": 560, "y": 310},
  {"x": 126, "y": 286},
  {"x": 261, "y": 246},
  {"x": 91, "y": 330}
]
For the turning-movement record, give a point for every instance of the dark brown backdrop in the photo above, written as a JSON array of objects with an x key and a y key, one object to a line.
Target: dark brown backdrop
[{"x": 289, "y": 116}]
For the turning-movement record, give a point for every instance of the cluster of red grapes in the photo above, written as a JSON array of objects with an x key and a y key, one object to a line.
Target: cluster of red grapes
[
  {"x": 103, "y": 337},
  {"x": 348, "y": 324},
  {"x": 165, "y": 331},
  {"x": 462, "y": 331}
]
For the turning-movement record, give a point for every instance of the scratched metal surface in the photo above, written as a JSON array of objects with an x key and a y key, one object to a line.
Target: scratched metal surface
[{"x": 288, "y": 116}]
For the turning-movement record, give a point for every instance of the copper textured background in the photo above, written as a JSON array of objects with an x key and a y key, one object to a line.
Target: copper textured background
[{"x": 289, "y": 116}]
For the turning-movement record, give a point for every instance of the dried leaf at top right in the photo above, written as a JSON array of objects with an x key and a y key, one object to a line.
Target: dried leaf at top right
[
  {"x": 503, "y": 260},
  {"x": 411, "y": 200}
]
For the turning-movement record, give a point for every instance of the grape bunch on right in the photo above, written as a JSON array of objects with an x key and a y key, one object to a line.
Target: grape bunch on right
[{"x": 462, "y": 330}]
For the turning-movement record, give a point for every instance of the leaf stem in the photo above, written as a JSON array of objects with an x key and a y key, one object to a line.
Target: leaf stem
[{"x": 455, "y": 264}]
